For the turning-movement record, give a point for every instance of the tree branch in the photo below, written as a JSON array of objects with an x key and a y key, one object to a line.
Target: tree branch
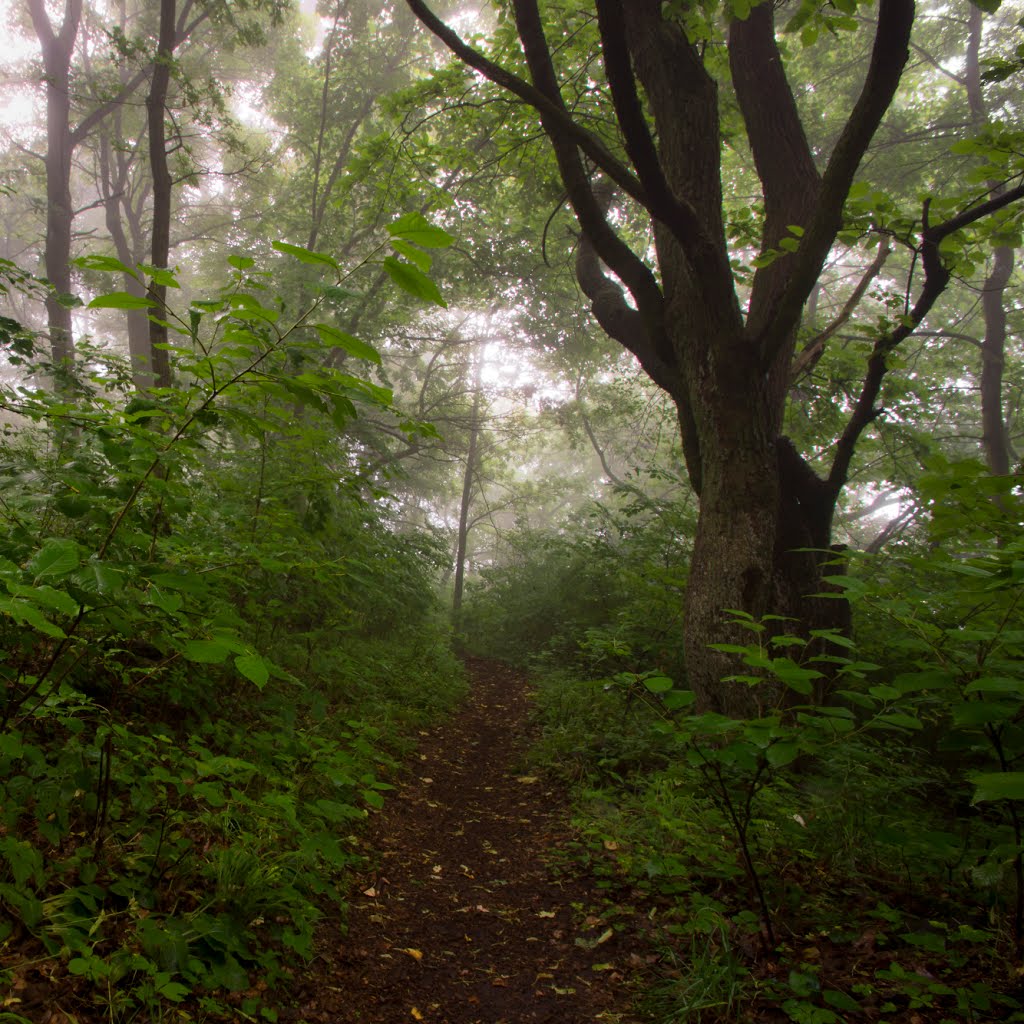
[
  {"x": 547, "y": 106},
  {"x": 936, "y": 278},
  {"x": 888, "y": 56},
  {"x": 812, "y": 351}
]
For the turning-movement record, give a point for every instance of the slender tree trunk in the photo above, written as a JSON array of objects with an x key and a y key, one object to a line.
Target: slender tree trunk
[
  {"x": 113, "y": 186},
  {"x": 57, "y": 47},
  {"x": 156, "y": 103},
  {"x": 468, "y": 479},
  {"x": 995, "y": 440}
]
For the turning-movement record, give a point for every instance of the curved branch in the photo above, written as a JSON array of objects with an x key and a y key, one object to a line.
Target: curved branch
[
  {"x": 936, "y": 278},
  {"x": 889, "y": 54},
  {"x": 812, "y": 351},
  {"x": 546, "y": 105}
]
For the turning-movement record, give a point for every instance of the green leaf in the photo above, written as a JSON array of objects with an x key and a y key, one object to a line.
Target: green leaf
[
  {"x": 840, "y": 1000},
  {"x": 413, "y": 280},
  {"x": 372, "y": 797},
  {"x": 241, "y": 262},
  {"x": 899, "y": 720},
  {"x": 347, "y": 343},
  {"x": 982, "y": 712},
  {"x": 414, "y": 227},
  {"x": 48, "y": 597},
  {"x": 208, "y": 652},
  {"x": 108, "y": 264},
  {"x": 676, "y": 700},
  {"x": 658, "y": 684},
  {"x": 412, "y": 254},
  {"x": 781, "y": 754},
  {"x": 24, "y": 860},
  {"x": 998, "y": 786},
  {"x": 254, "y": 668},
  {"x": 319, "y": 259},
  {"x": 121, "y": 300},
  {"x": 57, "y": 557}
]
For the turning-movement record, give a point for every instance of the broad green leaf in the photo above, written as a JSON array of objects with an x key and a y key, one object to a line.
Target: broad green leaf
[
  {"x": 998, "y": 786},
  {"x": 161, "y": 275},
  {"x": 26, "y": 614},
  {"x": 840, "y": 1000},
  {"x": 57, "y": 557},
  {"x": 306, "y": 255},
  {"x": 982, "y": 712},
  {"x": 187, "y": 583},
  {"x": 169, "y": 603},
  {"x": 108, "y": 264},
  {"x": 414, "y": 227},
  {"x": 95, "y": 577},
  {"x": 416, "y": 256},
  {"x": 996, "y": 684},
  {"x": 209, "y": 652},
  {"x": 781, "y": 754},
  {"x": 254, "y": 668},
  {"x": 676, "y": 700},
  {"x": 121, "y": 300},
  {"x": 24, "y": 860},
  {"x": 899, "y": 720},
  {"x": 347, "y": 343},
  {"x": 658, "y": 684},
  {"x": 413, "y": 280},
  {"x": 48, "y": 597}
]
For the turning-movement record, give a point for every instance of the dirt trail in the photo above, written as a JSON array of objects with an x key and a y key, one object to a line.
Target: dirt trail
[{"x": 468, "y": 918}]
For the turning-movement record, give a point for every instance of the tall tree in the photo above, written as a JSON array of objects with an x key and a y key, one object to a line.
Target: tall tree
[
  {"x": 58, "y": 45},
  {"x": 765, "y": 515}
]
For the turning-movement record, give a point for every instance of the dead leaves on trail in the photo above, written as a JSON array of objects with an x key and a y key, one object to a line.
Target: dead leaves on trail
[{"x": 472, "y": 924}]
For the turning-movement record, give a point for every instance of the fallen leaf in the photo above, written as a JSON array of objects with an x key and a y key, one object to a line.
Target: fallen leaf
[
  {"x": 527, "y": 780},
  {"x": 414, "y": 953},
  {"x": 370, "y": 892},
  {"x": 545, "y": 913},
  {"x": 427, "y": 781},
  {"x": 415, "y": 1014},
  {"x": 437, "y": 869},
  {"x": 610, "y": 844},
  {"x": 605, "y": 936}
]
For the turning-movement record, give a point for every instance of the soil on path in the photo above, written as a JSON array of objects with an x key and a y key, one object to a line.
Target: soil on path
[{"x": 471, "y": 916}]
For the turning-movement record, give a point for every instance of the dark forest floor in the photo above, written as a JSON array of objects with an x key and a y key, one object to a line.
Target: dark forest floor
[{"x": 472, "y": 913}]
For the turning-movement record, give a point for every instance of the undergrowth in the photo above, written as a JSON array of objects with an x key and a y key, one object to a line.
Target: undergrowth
[
  {"x": 857, "y": 858},
  {"x": 214, "y": 645}
]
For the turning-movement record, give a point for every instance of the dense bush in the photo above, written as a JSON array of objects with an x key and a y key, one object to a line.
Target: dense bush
[
  {"x": 604, "y": 594},
  {"x": 213, "y": 641},
  {"x": 860, "y": 855}
]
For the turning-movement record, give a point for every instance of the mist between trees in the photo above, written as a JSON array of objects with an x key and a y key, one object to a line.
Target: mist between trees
[{"x": 669, "y": 349}]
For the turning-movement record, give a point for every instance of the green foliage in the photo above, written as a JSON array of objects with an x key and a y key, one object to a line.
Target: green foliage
[
  {"x": 213, "y": 641},
  {"x": 605, "y": 595},
  {"x": 870, "y": 811}
]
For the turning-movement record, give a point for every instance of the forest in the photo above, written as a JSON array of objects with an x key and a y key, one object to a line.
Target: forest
[{"x": 511, "y": 511}]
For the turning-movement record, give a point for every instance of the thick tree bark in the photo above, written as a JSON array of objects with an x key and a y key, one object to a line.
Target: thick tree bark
[{"x": 765, "y": 521}]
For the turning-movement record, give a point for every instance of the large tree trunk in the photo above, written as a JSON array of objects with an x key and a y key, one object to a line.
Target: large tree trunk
[{"x": 765, "y": 515}]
